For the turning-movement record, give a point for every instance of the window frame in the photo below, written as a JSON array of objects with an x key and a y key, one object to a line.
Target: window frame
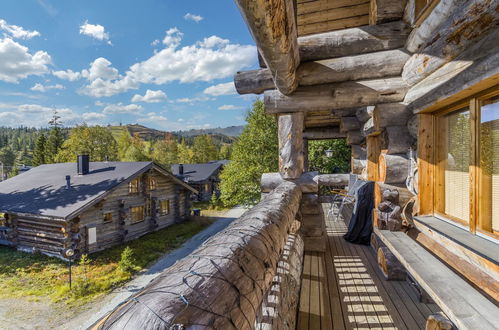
[
  {"x": 430, "y": 170},
  {"x": 160, "y": 208},
  {"x": 134, "y": 221},
  {"x": 134, "y": 188},
  {"x": 104, "y": 217},
  {"x": 421, "y": 11},
  {"x": 152, "y": 183}
]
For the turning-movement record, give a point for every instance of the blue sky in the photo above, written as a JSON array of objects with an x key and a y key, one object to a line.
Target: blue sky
[{"x": 161, "y": 63}]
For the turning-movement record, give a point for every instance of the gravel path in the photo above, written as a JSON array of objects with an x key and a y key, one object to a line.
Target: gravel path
[{"x": 42, "y": 315}]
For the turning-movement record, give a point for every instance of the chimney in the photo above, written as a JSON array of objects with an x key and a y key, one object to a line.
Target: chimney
[
  {"x": 180, "y": 169},
  {"x": 68, "y": 182},
  {"x": 83, "y": 164}
]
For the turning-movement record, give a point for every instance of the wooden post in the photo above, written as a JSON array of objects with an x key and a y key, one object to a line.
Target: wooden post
[
  {"x": 290, "y": 135},
  {"x": 305, "y": 155},
  {"x": 438, "y": 321},
  {"x": 273, "y": 26},
  {"x": 386, "y": 10},
  {"x": 391, "y": 268}
]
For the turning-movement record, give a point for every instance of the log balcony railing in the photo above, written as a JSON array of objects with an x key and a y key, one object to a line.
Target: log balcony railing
[{"x": 245, "y": 277}]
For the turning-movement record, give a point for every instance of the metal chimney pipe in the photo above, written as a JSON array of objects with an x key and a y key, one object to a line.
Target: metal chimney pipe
[
  {"x": 181, "y": 169},
  {"x": 83, "y": 163},
  {"x": 68, "y": 182}
]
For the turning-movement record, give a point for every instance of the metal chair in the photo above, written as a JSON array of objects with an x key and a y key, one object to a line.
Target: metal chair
[{"x": 346, "y": 197}]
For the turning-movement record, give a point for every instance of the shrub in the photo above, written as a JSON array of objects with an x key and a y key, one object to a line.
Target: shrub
[{"x": 127, "y": 262}]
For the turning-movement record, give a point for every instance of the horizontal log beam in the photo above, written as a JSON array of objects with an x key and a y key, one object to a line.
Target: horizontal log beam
[
  {"x": 349, "y": 124},
  {"x": 307, "y": 182},
  {"x": 474, "y": 70},
  {"x": 350, "y": 68},
  {"x": 469, "y": 23},
  {"x": 386, "y": 11},
  {"x": 390, "y": 114},
  {"x": 353, "y": 41},
  {"x": 323, "y": 133},
  {"x": 333, "y": 180},
  {"x": 337, "y": 96},
  {"x": 364, "y": 113},
  {"x": 273, "y": 26}
]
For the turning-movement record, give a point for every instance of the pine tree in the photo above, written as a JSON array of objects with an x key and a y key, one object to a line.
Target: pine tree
[
  {"x": 55, "y": 139},
  {"x": 165, "y": 152},
  {"x": 39, "y": 152},
  {"x": 204, "y": 149},
  {"x": 124, "y": 142},
  {"x": 254, "y": 153},
  {"x": 185, "y": 153}
]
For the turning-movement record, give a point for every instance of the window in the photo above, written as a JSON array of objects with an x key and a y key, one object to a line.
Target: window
[
  {"x": 488, "y": 217},
  {"x": 151, "y": 183},
  {"x": 133, "y": 186},
  {"x": 108, "y": 217},
  {"x": 466, "y": 182},
  {"x": 207, "y": 187},
  {"x": 137, "y": 214},
  {"x": 164, "y": 207}
]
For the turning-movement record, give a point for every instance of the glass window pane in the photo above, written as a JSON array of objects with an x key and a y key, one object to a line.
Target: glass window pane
[
  {"x": 456, "y": 167},
  {"x": 489, "y": 164}
]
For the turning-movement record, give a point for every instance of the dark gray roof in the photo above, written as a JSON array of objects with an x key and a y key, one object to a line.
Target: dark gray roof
[
  {"x": 42, "y": 190},
  {"x": 194, "y": 173}
]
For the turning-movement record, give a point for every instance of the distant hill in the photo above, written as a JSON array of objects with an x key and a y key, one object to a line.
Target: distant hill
[
  {"x": 219, "y": 135},
  {"x": 234, "y": 131}
]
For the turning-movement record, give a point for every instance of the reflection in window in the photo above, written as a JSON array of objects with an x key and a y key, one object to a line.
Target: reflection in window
[
  {"x": 137, "y": 214},
  {"x": 489, "y": 165},
  {"x": 457, "y": 141}
]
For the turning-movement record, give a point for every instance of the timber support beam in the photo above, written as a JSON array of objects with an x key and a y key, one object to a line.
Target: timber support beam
[
  {"x": 273, "y": 26},
  {"x": 290, "y": 136}
]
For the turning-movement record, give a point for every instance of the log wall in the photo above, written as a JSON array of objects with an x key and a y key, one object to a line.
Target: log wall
[{"x": 238, "y": 264}]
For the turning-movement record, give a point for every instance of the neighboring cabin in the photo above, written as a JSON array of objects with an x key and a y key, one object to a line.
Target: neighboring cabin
[
  {"x": 203, "y": 177},
  {"x": 89, "y": 206}
]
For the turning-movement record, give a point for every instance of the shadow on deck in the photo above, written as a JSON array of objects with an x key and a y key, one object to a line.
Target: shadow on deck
[{"x": 343, "y": 288}]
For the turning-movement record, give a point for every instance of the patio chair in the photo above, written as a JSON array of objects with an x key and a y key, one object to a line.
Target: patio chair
[{"x": 345, "y": 197}]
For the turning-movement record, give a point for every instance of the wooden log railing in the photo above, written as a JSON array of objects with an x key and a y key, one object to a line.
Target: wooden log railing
[{"x": 223, "y": 283}]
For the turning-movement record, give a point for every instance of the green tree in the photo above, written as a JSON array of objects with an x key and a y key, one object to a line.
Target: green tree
[
  {"x": 185, "y": 153},
  {"x": 39, "y": 152},
  {"x": 254, "y": 153},
  {"x": 55, "y": 139},
  {"x": 124, "y": 142},
  {"x": 7, "y": 156},
  {"x": 95, "y": 141},
  {"x": 165, "y": 152},
  {"x": 204, "y": 149},
  {"x": 136, "y": 152},
  {"x": 225, "y": 151},
  {"x": 339, "y": 162}
]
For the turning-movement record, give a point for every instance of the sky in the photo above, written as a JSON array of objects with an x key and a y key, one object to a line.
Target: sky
[{"x": 164, "y": 64}]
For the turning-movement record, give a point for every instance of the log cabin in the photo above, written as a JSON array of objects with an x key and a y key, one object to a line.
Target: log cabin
[
  {"x": 203, "y": 177},
  {"x": 413, "y": 86},
  {"x": 89, "y": 206}
]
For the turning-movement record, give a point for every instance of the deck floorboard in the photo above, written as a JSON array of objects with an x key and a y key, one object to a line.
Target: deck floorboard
[{"x": 343, "y": 288}]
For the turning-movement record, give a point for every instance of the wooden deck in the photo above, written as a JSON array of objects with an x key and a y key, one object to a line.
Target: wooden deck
[{"x": 344, "y": 289}]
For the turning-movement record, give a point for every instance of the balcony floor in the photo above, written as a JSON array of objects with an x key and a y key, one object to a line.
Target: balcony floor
[{"x": 343, "y": 288}]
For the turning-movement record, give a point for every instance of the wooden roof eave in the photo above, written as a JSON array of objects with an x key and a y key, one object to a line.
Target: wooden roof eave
[{"x": 275, "y": 33}]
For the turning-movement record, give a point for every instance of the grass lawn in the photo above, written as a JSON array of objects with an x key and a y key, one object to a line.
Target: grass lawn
[
  {"x": 34, "y": 275},
  {"x": 207, "y": 209}
]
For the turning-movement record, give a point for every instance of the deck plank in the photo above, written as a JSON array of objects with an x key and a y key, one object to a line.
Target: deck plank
[{"x": 345, "y": 289}]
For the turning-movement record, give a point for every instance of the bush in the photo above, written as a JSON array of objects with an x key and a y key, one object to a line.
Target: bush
[{"x": 127, "y": 263}]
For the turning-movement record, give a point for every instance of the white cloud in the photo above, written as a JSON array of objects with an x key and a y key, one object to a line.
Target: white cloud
[
  {"x": 150, "y": 97},
  {"x": 152, "y": 117},
  {"x": 93, "y": 117},
  {"x": 120, "y": 108},
  {"x": 95, "y": 31},
  {"x": 35, "y": 115},
  {"x": 67, "y": 75},
  {"x": 221, "y": 89},
  {"x": 100, "y": 68},
  {"x": 192, "y": 17},
  {"x": 43, "y": 88},
  {"x": 17, "y": 63},
  {"x": 155, "y": 42},
  {"x": 173, "y": 37},
  {"x": 229, "y": 107},
  {"x": 17, "y": 31},
  {"x": 206, "y": 60}
]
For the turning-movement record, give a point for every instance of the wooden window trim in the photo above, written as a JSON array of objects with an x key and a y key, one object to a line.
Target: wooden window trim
[
  {"x": 104, "y": 217},
  {"x": 132, "y": 186},
  {"x": 428, "y": 163},
  {"x": 152, "y": 183}
]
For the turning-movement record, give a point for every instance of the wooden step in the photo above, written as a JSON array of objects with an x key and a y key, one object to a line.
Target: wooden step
[{"x": 463, "y": 305}]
